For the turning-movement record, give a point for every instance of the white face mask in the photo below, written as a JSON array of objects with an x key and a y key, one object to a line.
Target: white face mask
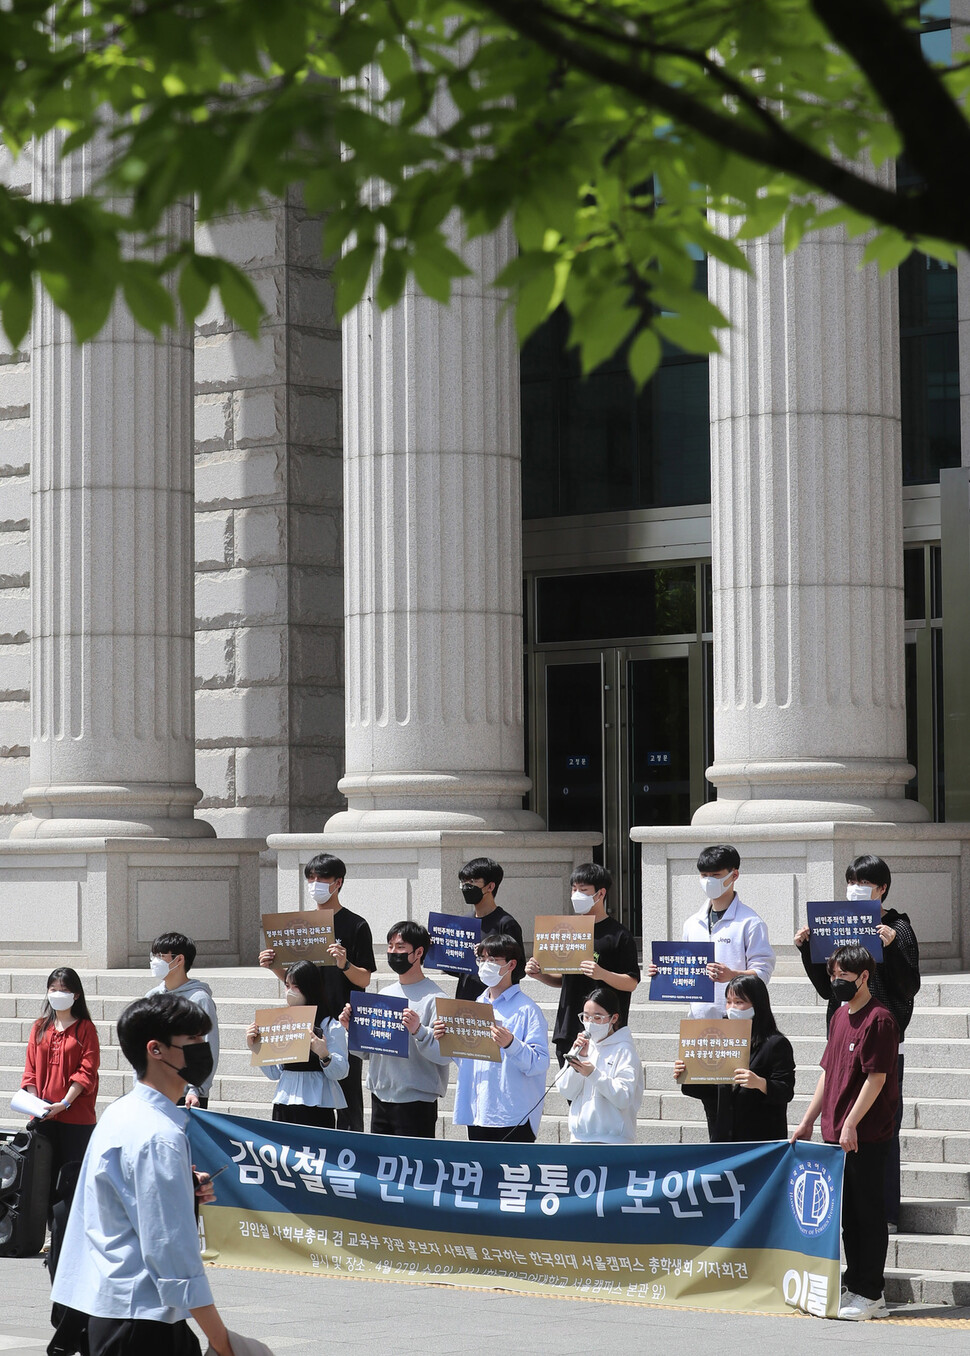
[
  {"x": 295, "y": 998},
  {"x": 320, "y": 891},
  {"x": 60, "y": 1002},
  {"x": 596, "y": 1031},
  {"x": 159, "y": 966},
  {"x": 490, "y": 973},
  {"x": 715, "y": 886},
  {"x": 857, "y": 893},
  {"x": 581, "y": 903},
  {"x": 740, "y": 1014}
]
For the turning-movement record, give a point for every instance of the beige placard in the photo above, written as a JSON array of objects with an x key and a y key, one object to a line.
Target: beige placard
[
  {"x": 284, "y": 1035},
  {"x": 467, "y": 1029},
  {"x": 563, "y": 941},
  {"x": 300, "y": 936},
  {"x": 712, "y": 1048}
]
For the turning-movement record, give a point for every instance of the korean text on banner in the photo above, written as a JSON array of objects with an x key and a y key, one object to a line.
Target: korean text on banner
[
  {"x": 838, "y": 924},
  {"x": 682, "y": 972},
  {"x": 284, "y": 1036},
  {"x": 453, "y": 942},
  {"x": 713, "y": 1048},
  {"x": 722, "y": 1226},
  {"x": 563, "y": 942},
  {"x": 300, "y": 936},
  {"x": 375, "y": 1025}
]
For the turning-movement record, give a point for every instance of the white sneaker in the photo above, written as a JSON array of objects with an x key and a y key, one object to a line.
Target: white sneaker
[{"x": 857, "y": 1309}]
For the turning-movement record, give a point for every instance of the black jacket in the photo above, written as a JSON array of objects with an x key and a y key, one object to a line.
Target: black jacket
[
  {"x": 737, "y": 1114},
  {"x": 896, "y": 981}
]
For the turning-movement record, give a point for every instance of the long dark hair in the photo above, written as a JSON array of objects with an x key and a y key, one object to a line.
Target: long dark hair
[
  {"x": 308, "y": 978},
  {"x": 72, "y": 982},
  {"x": 754, "y": 991}
]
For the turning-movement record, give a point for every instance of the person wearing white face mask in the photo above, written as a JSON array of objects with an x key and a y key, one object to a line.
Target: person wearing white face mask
[
  {"x": 172, "y": 957},
  {"x": 503, "y": 1101},
  {"x": 754, "y": 1106},
  {"x": 615, "y": 961},
  {"x": 604, "y": 1079}
]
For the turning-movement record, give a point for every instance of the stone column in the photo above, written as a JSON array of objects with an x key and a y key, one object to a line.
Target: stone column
[
  {"x": 112, "y": 748},
  {"x": 433, "y": 562},
  {"x": 806, "y": 490}
]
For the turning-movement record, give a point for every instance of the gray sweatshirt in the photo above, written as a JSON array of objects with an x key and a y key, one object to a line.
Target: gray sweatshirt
[
  {"x": 197, "y": 991},
  {"x": 423, "y": 1076}
]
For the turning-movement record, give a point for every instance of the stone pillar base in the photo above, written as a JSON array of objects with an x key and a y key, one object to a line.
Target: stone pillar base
[
  {"x": 97, "y": 902},
  {"x": 392, "y": 876},
  {"x": 785, "y": 865}
]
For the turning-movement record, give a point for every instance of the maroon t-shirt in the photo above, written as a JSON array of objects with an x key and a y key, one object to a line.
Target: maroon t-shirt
[{"x": 860, "y": 1043}]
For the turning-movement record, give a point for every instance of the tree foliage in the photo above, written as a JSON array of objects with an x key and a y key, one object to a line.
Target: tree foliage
[{"x": 613, "y": 134}]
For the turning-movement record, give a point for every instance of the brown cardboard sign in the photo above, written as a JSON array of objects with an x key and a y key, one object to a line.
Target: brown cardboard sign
[
  {"x": 284, "y": 1035},
  {"x": 563, "y": 941},
  {"x": 467, "y": 1029},
  {"x": 300, "y": 936},
  {"x": 712, "y": 1048}
]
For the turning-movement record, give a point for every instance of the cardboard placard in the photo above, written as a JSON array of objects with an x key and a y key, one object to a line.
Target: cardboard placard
[
  {"x": 712, "y": 1048},
  {"x": 843, "y": 923},
  {"x": 467, "y": 1029},
  {"x": 682, "y": 972},
  {"x": 300, "y": 936},
  {"x": 375, "y": 1025},
  {"x": 453, "y": 942},
  {"x": 563, "y": 941},
  {"x": 284, "y": 1036}
]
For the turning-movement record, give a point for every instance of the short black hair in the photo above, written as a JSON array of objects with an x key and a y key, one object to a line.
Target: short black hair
[
  {"x": 871, "y": 869},
  {"x": 853, "y": 959},
  {"x": 607, "y": 998},
  {"x": 720, "y": 857},
  {"x": 308, "y": 978},
  {"x": 591, "y": 873},
  {"x": 412, "y": 934},
  {"x": 325, "y": 864},
  {"x": 500, "y": 946},
  {"x": 176, "y": 944},
  {"x": 158, "y": 1017},
  {"x": 483, "y": 868}
]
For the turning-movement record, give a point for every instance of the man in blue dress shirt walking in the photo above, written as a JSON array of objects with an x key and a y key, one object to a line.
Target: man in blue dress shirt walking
[{"x": 130, "y": 1261}]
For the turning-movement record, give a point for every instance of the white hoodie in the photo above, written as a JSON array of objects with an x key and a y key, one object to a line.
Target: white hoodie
[{"x": 603, "y": 1106}]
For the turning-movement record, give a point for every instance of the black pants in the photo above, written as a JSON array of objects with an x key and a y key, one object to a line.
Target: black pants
[
  {"x": 68, "y": 1143},
  {"x": 892, "y": 1157},
  {"x": 140, "y": 1337},
  {"x": 505, "y": 1134},
  {"x": 352, "y": 1115},
  {"x": 322, "y": 1116},
  {"x": 418, "y": 1119},
  {"x": 865, "y": 1237}
]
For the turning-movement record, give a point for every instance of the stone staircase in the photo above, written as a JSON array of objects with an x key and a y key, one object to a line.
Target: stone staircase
[{"x": 929, "y": 1259}]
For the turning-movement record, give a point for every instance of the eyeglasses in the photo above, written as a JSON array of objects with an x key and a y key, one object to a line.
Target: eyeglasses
[{"x": 597, "y": 1021}]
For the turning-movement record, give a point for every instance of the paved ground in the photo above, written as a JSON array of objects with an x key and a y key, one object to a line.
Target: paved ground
[{"x": 300, "y": 1315}]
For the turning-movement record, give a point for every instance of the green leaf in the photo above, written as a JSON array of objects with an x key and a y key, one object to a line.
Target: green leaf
[
  {"x": 147, "y": 299},
  {"x": 16, "y": 308},
  {"x": 193, "y": 290},
  {"x": 240, "y": 298},
  {"x": 644, "y": 358},
  {"x": 351, "y": 275}
]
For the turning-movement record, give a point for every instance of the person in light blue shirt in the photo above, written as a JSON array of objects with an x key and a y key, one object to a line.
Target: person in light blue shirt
[
  {"x": 503, "y": 1101},
  {"x": 130, "y": 1262}
]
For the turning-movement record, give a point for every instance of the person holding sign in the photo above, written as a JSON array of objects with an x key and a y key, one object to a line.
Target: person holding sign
[
  {"x": 856, "y": 1096},
  {"x": 353, "y": 952},
  {"x": 894, "y": 983},
  {"x": 309, "y": 1093},
  {"x": 478, "y": 881},
  {"x": 753, "y": 1107},
  {"x": 603, "y": 1082},
  {"x": 614, "y": 962},
  {"x": 503, "y": 1101}
]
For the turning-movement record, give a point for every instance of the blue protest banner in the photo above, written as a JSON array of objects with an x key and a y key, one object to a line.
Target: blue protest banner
[
  {"x": 682, "y": 971},
  {"x": 725, "y": 1226},
  {"x": 837, "y": 923},
  {"x": 453, "y": 942},
  {"x": 375, "y": 1025}
]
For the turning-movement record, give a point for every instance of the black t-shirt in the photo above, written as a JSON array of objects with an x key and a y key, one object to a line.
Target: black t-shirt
[
  {"x": 470, "y": 986},
  {"x": 353, "y": 932},
  {"x": 614, "y": 949}
]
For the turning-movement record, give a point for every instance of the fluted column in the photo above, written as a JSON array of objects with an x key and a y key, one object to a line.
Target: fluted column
[
  {"x": 112, "y": 747},
  {"x": 433, "y": 590},
  {"x": 806, "y": 491}
]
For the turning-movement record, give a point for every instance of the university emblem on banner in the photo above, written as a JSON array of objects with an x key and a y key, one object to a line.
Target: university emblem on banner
[{"x": 811, "y": 1195}]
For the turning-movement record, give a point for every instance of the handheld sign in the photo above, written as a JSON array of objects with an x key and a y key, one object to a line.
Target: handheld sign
[
  {"x": 375, "y": 1025},
  {"x": 712, "y": 1048},
  {"x": 300, "y": 936},
  {"x": 682, "y": 971},
  {"x": 843, "y": 923},
  {"x": 467, "y": 1029},
  {"x": 563, "y": 942},
  {"x": 453, "y": 942},
  {"x": 284, "y": 1036}
]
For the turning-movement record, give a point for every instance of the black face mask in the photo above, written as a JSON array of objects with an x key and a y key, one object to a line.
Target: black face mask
[
  {"x": 473, "y": 894},
  {"x": 197, "y": 1065},
  {"x": 399, "y": 962},
  {"x": 844, "y": 990}
]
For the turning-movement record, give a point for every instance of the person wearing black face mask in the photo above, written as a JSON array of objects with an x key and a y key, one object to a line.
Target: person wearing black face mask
[
  {"x": 856, "y": 1096},
  {"x": 478, "y": 881}
]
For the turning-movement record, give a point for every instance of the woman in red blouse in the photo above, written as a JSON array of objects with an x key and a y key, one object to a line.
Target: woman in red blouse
[{"x": 63, "y": 1056}]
